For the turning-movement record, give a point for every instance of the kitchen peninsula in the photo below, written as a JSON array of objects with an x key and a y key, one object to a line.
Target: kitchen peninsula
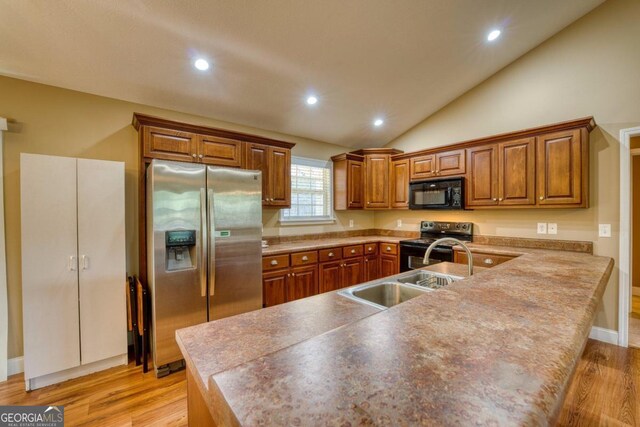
[{"x": 498, "y": 347}]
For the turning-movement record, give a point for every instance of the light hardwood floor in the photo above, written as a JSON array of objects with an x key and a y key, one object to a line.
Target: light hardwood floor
[
  {"x": 604, "y": 392},
  {"x": 634, "y": 322}
]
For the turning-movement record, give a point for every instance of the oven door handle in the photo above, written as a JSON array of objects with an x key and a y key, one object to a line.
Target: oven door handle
[{"x": 424, "y": 249}]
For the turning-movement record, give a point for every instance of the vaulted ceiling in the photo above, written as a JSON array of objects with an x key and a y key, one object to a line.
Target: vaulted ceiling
[{"x": 363, "y": 59}]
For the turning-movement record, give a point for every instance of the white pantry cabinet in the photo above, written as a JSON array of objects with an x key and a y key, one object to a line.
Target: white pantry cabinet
[{"x": 73, "y": 267}]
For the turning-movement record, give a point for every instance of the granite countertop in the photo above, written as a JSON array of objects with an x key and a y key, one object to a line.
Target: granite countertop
[
  {"x": 497, "y": 348},
  {"x": 310, "y": 245}
]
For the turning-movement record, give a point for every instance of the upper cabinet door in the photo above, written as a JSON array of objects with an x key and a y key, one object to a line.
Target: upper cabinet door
[
  {"x": 102, "y": 263},
  {"x": 562, "y": 168},
  {"x": 482, "y": 173},
  {"x": 399, "y": 184},
  {"x": 213, "y": 150},
  {"x": 50, "y": 264},
  {"x": 279, "y": 177},
  {"x": 377, "y": 181},
  {"x": 355, "y": 184},
  {"x": 257, "y": 159},
  {"x": 450, "y": 163},
  {"x": 422, "y": 167},
  {"x": 517, "y": 172},
  {"x": 169, "y": 144}
]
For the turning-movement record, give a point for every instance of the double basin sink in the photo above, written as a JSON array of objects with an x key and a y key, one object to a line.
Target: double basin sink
[{"x": 393, "y": 290}]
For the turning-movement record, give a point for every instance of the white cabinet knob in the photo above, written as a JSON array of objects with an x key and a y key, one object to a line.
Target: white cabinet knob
[
  {"x": 488, "y": 261},
  {"x": 353, "y": 251},
  {"x": 305, "y": 258},
  {"x": 369, "y": 248},
  {"x": 330, "y": 254},
  {"x": 193, "y": 155},
  {"x": 274, "y": 262},
  {"x": 388, "y": 248},
  {"x": 494, "y": 199},
  {"x": 201, "y": 156},
  {"x": 541, "y": 197},
  {"x": 500, "y": 199}
]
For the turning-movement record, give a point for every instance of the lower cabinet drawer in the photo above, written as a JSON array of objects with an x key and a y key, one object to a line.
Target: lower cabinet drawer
[
  {"x": 482, "y": 259},
  {"x": 275, "y": 262},
  {"x": 388, "y": 248},
  {"x": 332, "y": 254},
  {"x": 352, "y": 251},
  {"x": 304, "y": 258}
]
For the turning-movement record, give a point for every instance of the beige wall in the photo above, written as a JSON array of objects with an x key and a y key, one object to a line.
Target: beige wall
[
  {"x": 590, "y": 68},
  {"x": 635, "y": 219},
  {"x": 54, "y": 121}
]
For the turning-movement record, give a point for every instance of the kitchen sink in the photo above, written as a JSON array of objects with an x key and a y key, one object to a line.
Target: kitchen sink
[
  {"x": 427, "y": 279},
  {"x": 383, "y": 295}
]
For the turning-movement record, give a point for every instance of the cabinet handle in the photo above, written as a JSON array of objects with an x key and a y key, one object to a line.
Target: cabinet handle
[
  {"x": 353, "y": 251},
  {"x": 500, "y": 199},
  {"x": 193, "y": 155},
  {"x": 366, "y": 260},
  {"x": 488, "y": 261},
  {"x": 201, "y": 156},
  {"x": 388, "y": 248},
  {"x": 330, "y": 254},
  {"x": 85, "y": 262},
  {"x": 288, "y": 275},
  {"x": 72, "y": 263},
  {"x": 305, "y": 258},
  {"x": 293, "y": 274},
  {"x": 274, "y": 262},
  {"x": 541, "y": 197},
  {"x": 369, "y": 248},
  {"x": 494, "y": 199}
]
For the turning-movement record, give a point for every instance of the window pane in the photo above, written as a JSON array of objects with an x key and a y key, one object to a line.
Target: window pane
[{"x": 310, "y": 190}]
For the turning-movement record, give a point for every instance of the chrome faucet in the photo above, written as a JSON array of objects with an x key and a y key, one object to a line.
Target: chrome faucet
[{"x": 449, "y": 239}]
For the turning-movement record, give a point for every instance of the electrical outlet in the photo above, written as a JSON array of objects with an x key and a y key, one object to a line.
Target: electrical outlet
[
  {"x": 351, "y": 223},
  {"x": 542, "y": 228},
  {"x": 604, "y": 230},
  {"x": 399, "y": 223},
  {"x": 552, "y": 228}
]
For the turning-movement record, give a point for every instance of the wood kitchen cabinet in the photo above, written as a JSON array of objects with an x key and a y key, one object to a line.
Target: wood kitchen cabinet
[
  {"x": 275, "y": 164},
  {"x": 288, "y": 277},
  {"x": 389, "y": 262},
  {"x": 213, "y": 150},
  {"x": 376, "y": 187},
  {"x": 348, "y": 181},
  {"x": 502, "y": 174},
  {"x": 371, "y": 262},
  {"x": 330, "y": 276},
  {"x": 563, "y": 168},
  {"x": 446, "y": 163},
  {"x": 169, "y": 144},
  {"x": 399, "y": 184}
]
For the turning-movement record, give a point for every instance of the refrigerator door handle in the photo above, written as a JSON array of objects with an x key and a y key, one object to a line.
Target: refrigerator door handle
[
  {"x": 203, "y": 243},
  {"x": 212, "y": 244}
]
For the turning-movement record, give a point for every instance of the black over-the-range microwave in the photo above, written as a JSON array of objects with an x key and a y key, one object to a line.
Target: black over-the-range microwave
[{"x": 445, "y": 194}]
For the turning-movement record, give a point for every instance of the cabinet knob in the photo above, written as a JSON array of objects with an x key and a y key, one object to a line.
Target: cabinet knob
[
  {"x": 201, "y": 156},
  {"x": 330, "y": 254},
  {"x": 305, "y": 258},
  {"x": 494, "y": 199},
  {"x": 368, "y": 203},
  {"x": 293, "y": 274},
  {"x": 366, "y": 260},
  {"x": 388, "y": 248},
  {"x": 288, "y": 275},
  {"x": 541, "y": 197},
  {"x": 369, "y": 248},
  {"x": 500, "y": 199},
  {"x": 274, "y": 262},
  {"x": 488, "y": 261},
  {"x": 353, "y": 251},
  {"x": 193, "y": 155}
]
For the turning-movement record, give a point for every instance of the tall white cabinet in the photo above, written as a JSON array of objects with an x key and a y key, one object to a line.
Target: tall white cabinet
[{"x": 73, "y": 267}]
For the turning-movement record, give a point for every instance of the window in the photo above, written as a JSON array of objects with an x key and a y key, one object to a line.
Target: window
[{"x": 310, "y": 191}]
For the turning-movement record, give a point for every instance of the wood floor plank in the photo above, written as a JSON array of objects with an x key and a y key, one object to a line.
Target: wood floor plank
[{"x": 604, "y": 392}]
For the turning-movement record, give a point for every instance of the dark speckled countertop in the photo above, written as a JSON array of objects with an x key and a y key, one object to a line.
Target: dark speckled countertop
[{"x": 498, "y": 348}]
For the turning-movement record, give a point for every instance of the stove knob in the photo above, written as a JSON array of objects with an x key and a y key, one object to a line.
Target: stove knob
[{"x": 458, "y": 226}]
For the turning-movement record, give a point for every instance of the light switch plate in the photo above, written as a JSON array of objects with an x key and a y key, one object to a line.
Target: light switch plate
[
  {"x": 350, "y": 223},
  {"x": 542, "y": 228},
  {"x": 399, "y": 223},
  {"x": 604, "y": 230},
  {"x": 552, "y": 228}
]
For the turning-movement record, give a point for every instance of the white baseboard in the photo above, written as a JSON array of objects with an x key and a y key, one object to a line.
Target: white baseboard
[
  {"x": 15, "y": 366},
  {"x": 605, "y": 335},
  {"x": 79, "y": 371}
]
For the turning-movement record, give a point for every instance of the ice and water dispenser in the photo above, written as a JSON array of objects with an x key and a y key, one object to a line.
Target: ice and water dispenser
[{"x": 180, "y": 246}]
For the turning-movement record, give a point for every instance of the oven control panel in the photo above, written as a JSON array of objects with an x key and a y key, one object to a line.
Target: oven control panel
[{"x": 464, "y": 228}]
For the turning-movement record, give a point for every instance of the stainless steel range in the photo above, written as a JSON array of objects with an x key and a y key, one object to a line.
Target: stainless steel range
[{"x": 412, "y": 251}]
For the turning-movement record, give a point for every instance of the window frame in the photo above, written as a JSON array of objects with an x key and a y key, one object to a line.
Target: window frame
[{"x": 310, "y": 220}]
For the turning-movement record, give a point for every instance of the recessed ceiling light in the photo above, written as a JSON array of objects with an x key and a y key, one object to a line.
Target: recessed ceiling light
[
  {"x": 378, "y": 122},
  {"x": 493, "y": 35},
  {"x": 312, "y": 100},
  {"x": 201, "y": 64}
]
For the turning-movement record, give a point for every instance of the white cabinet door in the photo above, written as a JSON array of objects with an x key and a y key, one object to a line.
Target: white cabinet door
[
  {"x": 101, "y": 250},
  {"x": 49, "y": 264}
]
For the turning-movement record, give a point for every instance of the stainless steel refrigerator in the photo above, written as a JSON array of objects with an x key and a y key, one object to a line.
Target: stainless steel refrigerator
[{"x": 204, "y": 230}]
